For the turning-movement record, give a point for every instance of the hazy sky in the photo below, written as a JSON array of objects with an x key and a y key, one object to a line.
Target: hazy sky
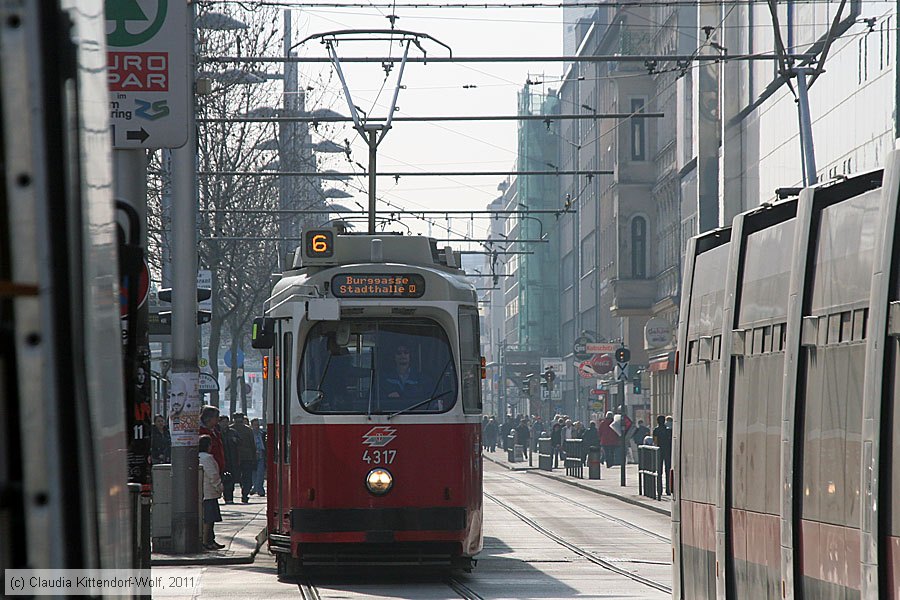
[{"x": 435, "y": 89}]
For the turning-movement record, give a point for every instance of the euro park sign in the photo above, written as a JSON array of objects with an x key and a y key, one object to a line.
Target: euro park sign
[{"x": 147, "y": 72}]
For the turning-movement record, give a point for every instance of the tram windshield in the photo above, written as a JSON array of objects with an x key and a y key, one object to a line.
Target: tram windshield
[{"x": 377, "y": 366}]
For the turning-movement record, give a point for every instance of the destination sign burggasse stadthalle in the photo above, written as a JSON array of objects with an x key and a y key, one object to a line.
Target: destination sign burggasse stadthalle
[{"x": 378, "y": 285}]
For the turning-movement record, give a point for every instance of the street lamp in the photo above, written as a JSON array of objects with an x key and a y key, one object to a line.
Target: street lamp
[
  {"x": 219, "y": 22},
  {"x": 336, "y": 193}
]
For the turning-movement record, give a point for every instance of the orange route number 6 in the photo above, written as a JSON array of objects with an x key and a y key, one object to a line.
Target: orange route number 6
[{"x": 320, "y": 243}]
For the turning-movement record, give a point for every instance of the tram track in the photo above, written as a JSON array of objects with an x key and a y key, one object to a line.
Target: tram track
[
  {"x": 590, "y": 557},
  {"x": 463, "y": 590},
  {"x": 591, "y": 509},
  {"x": 308, "y": 590}
]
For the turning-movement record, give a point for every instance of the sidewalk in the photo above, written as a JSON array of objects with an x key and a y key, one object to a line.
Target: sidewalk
[
  {"x": 242, "y": 530},
  {"x": 609, "y": 485}
]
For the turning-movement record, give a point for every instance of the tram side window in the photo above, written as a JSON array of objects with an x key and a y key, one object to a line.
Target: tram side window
[
  {"x": 377, "y": 366},
  {"x": 470, "y": 359}
]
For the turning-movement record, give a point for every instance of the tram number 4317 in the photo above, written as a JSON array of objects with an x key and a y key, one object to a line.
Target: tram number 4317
[{"x": 379, "y": 457}]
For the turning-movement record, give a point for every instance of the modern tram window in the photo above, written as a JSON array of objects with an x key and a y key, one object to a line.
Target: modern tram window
[
  {"x": 860, "y": 318},
  {"x": 377, "y": 366},
  {"x": 470, "y": 359},
  {"x": 287, "y": 347}
]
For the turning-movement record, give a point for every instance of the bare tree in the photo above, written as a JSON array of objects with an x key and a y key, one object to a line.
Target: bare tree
[{"x": 240, "y": 248}]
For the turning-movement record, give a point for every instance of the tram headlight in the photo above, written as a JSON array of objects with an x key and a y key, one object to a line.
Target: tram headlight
[{"x": 379, "y": 481}]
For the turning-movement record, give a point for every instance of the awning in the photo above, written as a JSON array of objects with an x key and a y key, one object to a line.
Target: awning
[{"x": 662, "y": 362}]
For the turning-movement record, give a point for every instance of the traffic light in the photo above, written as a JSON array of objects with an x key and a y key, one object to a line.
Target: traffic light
[
  {"x": 623, "y": 355},
  {"x": 549, "y": 376},
  {"x": 636, "y": 382}
]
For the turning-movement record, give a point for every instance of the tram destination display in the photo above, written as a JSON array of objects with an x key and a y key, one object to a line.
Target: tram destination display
[{"x": 378, "y": 285}]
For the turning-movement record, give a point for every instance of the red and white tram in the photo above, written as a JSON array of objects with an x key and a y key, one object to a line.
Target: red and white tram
[{"x": 373, "y": 399}]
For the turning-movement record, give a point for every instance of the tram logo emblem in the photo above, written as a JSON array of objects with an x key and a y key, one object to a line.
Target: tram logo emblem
[{"x": 378, "y": 437}]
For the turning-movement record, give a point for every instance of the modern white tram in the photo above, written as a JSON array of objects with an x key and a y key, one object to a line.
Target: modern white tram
[
  {"x": 64, "y": 499},
  {"x": 787, "y": 483}
]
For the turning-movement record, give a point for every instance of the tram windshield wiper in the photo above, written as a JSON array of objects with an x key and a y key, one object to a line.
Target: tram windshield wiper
[
  {"x": 419, "y": 404},
  {"x": 321, "y": 381},
  {"x": 371, "y": 384}
]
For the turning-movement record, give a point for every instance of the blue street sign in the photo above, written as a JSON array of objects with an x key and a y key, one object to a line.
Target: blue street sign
[{"x": 240, "y": 359}]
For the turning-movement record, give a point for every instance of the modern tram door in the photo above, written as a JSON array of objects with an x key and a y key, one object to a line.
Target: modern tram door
[
  {"x": 830, "y": 375},
  {"x": 754, "y": 395},
  {"x": 695, "y": 463},
  {"x": 889, "y": 493},
  {"x": 279, "y": 442}
]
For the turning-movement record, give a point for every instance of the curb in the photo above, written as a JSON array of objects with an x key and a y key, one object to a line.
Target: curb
[
  {"x": 506, "y": 466},
  {"x": 213, "y": 559},
  {"x": 576, "y": 483}
]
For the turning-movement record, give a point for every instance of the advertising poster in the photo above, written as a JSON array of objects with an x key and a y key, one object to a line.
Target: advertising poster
[{"x": 184, "y": 408}]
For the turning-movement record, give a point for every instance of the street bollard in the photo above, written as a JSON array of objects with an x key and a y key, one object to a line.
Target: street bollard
[
  {"x": 545, "y": 454},
  {"x": 510, "y": 448},
  {"x": 593, "y": 462}
]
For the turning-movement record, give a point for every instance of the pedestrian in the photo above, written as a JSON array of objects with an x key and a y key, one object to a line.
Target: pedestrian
[
  {"x": 537, "y": 432},
  {"x": 609, "y": 440},
  {"x": 640, "y": 432},
  {"x": 578, "y": 430},
  {"x": 246, "y": 455},
  {"x": 259, "y": 476},
  {"x": 507, "y": 428},
  {"x": 212, "y": 491},
  {"x": 590, "y": 438},
  {"x": 662, "y": 437},
  {"x": 556, "y": 443},
  {"x": 491, "y": 431},
  {"x": 209, "y": 425},
  {"x": 523, "y": 436},
  {"x": 160, "y": 442},
  {"x": 229, "y": 445}
]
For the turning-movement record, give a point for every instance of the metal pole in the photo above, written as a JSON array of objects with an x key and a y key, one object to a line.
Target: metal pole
[
  {"x": 184, "y": 402},
  {"x": 285, "y": 147},
  {"x": 373, "y": 156},
  {"x": 501, "y": 391},
  {"x": 621, "y": 399},
  {"x": 806, "y": 136},
  {"x": 166, "y": 264}
]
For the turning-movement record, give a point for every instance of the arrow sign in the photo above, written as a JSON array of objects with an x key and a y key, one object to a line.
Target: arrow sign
[{"x": 141, "y": 134}]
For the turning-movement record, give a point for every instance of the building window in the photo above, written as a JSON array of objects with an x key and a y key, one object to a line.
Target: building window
[
  {"x": 639, "y": 248},
  {"x": 638, "y": 131}
]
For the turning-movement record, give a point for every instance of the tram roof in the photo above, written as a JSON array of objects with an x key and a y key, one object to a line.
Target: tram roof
[
  {"x": 329, "y": 247},
  {"x": 328, "y": 253}
]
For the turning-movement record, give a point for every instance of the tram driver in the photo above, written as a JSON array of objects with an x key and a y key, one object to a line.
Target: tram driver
[{"x": 403, "y": 384}]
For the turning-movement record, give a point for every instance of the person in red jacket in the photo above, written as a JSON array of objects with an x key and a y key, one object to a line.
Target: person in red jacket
[
  {"x": 209, "y": 425},
  {"x": 609, "y": 440}
]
